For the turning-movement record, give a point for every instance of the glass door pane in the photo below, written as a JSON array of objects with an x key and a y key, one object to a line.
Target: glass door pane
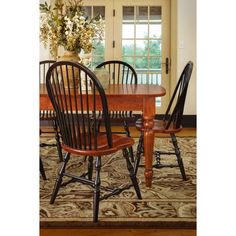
[
  {"x": 141, "y": 42},
  {"x": 98, "y": 52},
  {"x": 102, "y": 50},
  {"x": 136, "y": 32}
]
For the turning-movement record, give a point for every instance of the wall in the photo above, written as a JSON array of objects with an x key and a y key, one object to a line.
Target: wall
[
  {"x": 186, "y": 47},
  {"x": 44, "y": 52}
]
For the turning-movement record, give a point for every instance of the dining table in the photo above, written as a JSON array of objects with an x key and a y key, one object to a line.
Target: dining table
[{"x": 129, "y": 97}]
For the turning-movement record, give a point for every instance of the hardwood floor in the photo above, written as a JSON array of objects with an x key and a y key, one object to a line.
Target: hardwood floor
[
  {"x": 125, "y": 232},
  {"x": 118, "y": 232},
  {"x": 183, "y": 133},
  {"x": 135, "y": 133}
]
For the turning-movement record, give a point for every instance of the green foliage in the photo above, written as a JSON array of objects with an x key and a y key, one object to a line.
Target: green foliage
[{"x": 154, "y": 47}]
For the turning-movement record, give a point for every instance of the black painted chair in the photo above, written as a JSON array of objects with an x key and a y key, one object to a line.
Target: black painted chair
[
  {"x": 41, "y": 167},
  {"x": 120, "y": 73},
  {"x": 42, "y": 171},
  {"x": 170, "y": 124},
  {"x": 74, "y": 107},
  {"x": 49, "y": 115}
]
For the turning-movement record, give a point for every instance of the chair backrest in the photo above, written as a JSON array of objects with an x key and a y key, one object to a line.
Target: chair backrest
[
  {"x": 120, "y": 72},
  {"x": 179, "y": 96},
  {"x": 43, "y": 68},
  {"x": 74, "y": 105}
]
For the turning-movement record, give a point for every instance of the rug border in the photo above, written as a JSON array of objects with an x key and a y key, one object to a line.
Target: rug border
[{"x": 122, "y": 224}]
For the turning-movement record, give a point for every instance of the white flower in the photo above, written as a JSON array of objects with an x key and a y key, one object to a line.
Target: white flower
[{"x": 66, "y": 26}]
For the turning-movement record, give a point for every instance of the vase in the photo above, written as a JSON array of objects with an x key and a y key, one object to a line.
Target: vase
[
  {"x": 103, "y": 76},
  {"x": 86, "y": 59},
  {"x": 72, "y": 82}
]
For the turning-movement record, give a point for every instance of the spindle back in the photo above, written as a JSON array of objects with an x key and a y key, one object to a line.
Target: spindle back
[
  {"x": 179, "y": 95},
  {"x": 120, "y": 72},
  {"x": 76, "y": 95}
]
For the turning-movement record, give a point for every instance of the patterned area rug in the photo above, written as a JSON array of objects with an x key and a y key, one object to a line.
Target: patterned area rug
[{"x": 171, "y": 202}]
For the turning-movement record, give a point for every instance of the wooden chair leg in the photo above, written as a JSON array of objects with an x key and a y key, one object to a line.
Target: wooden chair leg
[
  {"x": 97, "y": 184},
  {"x": 90, "y": 167},
  {"x": 57, "y": 137},
  {"x": 178, "y": 155},
  {"x": 126, "y": 127},
  {"x": 132, "y": 174},
  {"x": 131, "y": 153},
  {"x": 42, "y": 171},
  {"x": 157, "y": 155},
  {"x": 138, "y": 154},
  {"x": 59, "y": 178}
]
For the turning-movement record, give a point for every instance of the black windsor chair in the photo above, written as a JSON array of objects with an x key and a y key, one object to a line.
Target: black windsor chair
[
  {"x": 42, "y": 171},
  {"x": 120, "y": 73},
  {"x": 41, "y": 168},
  {"x": 74, "y": 107},
  {"x": 170, "y": 124},
  {"x": 49, "y": 115}
]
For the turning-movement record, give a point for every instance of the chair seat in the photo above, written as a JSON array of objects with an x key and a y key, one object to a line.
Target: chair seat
[
  {"x": 158, "y": 127},
  {"x": 47, "y": 115},
  {"x": 119, "y": 142}
]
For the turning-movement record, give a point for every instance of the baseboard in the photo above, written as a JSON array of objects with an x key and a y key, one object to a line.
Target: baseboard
[{"x": 189, "y": 121}]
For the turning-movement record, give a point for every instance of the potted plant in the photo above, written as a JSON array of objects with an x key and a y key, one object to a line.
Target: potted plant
[{"x": 66, "y": 25}]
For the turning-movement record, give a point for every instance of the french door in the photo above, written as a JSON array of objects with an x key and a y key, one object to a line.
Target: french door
[{"x": 138, "y": 32}]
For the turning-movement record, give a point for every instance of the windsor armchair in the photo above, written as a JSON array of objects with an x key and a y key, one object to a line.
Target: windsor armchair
[
  {"x": 74, "y": 107},
  {"x": 170, "y": 124}
]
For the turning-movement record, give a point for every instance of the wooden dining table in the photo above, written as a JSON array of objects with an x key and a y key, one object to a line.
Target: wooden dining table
[{"x": 129, "y": 98}]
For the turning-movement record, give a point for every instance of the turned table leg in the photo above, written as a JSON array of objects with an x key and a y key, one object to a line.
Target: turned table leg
[
  {"x": 148, "y": 116},
  {"x": 148, "y": 149}
]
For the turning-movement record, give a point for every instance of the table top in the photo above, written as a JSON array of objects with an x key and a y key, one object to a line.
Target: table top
[
  {"x": 126, "y": 89},
  {"x": 127, "y": 97}
]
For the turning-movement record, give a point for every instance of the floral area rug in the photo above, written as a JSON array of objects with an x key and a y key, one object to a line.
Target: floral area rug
[{"x": 170, "y": 202}]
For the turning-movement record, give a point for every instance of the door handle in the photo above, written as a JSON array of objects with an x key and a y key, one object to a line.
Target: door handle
[{"x": 167, "y": 65}]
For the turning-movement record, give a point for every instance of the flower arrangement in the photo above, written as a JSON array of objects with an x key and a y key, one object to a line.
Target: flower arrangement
[{"x": 66, "y": 25}]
